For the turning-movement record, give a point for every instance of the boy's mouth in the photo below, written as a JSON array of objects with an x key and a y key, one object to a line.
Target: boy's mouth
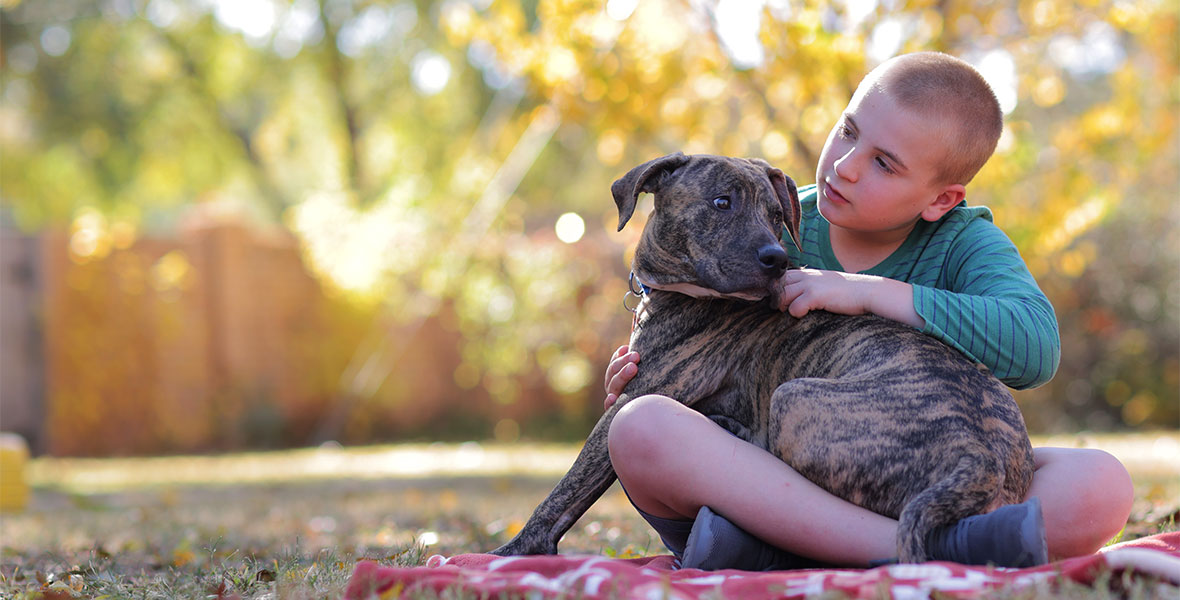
[{"x": 834, "y": 195}]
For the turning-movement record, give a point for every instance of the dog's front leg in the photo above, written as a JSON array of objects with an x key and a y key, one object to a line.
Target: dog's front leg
[{"x": 581, "y": 486}]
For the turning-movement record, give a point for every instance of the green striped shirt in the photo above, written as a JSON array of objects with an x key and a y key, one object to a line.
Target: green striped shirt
[{"x": 970, "y": 285}]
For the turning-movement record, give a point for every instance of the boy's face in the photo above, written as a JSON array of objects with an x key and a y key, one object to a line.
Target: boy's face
[{"x": 876, "y": 176}]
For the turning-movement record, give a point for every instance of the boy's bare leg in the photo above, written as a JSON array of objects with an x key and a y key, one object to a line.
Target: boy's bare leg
[
  {"x": 1086, "y": 495},
  {"x": 673, "y": 460}
]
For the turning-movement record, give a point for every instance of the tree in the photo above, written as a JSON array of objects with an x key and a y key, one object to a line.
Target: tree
[{"x": 423, "y": 151}]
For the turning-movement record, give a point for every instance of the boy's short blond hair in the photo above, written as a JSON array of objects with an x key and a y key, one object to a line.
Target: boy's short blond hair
[{"x": 950, "y": 90}]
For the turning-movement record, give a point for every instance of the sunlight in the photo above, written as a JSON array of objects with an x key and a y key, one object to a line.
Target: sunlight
[
  {"x": 738, "y": 23},
  {"x": 998, "y": 68},
  {"x": 255, "y": 19},
  {"x": 89, "y": 237},
  {"x": 356, "y": 249},
  {"x": 885, "y": 40},
  {"x": 55, "y": 40},
  {"x": 431, "y": 72},
  {"x": 619, "y": 10},
  {"x": 301, "y": 25},
  {"x": 570, "y": 227},
  {"x": 857, "y": 11},
  {"x": 1099, "y": 51}
]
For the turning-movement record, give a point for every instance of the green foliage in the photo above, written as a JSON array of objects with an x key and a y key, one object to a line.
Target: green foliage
[{"x": 423, "y": 168}]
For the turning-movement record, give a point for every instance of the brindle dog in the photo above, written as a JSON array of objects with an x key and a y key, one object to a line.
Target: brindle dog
[{"x": 871, "y": 410}]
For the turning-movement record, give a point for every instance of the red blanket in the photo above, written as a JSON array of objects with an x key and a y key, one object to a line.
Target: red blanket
[{"x": 484, "y": 575}]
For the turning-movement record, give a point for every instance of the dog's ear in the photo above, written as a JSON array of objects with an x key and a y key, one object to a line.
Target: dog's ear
[
  {"x": 788, "y": 197},
  {"x": 648, "y": 177}
]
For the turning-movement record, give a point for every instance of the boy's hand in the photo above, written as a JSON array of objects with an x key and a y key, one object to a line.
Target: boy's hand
[
  {"x": 805, "y": 290},
  {"x": 622, "y": 368}
]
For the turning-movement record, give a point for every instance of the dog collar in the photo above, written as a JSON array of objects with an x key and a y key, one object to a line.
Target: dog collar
[
  {"x": 636, "y": 289},
  {"x": 687, "y": 289}
]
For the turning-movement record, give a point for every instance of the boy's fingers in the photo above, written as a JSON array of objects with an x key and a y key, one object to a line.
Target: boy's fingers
[
  {"x": 612, "y": 369},
  {"x": 799, "y": 308},
  {"x": 789, "y": 295},
  {"x": 614, "y": 365},
  {"x": 620, "y": 379},
  {"x": 609, "y": 402}
]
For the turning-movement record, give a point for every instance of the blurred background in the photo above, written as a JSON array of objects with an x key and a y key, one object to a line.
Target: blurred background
[{"x": 235, "y": 224}]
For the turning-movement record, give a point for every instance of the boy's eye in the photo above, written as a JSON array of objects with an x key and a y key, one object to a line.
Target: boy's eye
[
  {"x": 884, "y": 165},
  {"x": 721, "y": 202},
  {"x": 845, "y": 131}
]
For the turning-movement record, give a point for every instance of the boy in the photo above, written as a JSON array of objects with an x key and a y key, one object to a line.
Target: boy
[{"x": 886, "y": 231}]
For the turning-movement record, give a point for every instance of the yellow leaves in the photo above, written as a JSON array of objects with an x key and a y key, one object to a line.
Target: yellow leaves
[
  {"x": 1134, "y": 406},
  {"x": 775, "y": 145},
  {"x": 708, "y": 86},
  {"x": 1073, "y": 262},
  {"x": 1105, "y": 121},
  {"x": 570, "y": 373},
  {"x": 514, "y": 526},
  {"x": 182, "y": 555},
  {"x": 1074, "y": 222},
  {"x": 1048, "y": 90},
  {"x": 173, "y": 271},
  {"x": 1047, "y": 14},
  {"x": 458, "y": 20},
  {"x": 559, "y": 66},
  {"x": 611, "y": 145},
  {"x": 1129, "y": 16},
  {"x": 89, "y": 236}
]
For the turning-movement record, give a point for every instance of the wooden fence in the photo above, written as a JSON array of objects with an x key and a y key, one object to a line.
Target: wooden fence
[{"x": 216, "y": 339}]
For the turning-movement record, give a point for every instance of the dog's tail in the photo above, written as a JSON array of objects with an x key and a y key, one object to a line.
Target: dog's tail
[{"x": 972, "y": 487}]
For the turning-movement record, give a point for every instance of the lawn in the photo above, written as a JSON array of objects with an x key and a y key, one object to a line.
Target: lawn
[{"x": 293, "y": 524}]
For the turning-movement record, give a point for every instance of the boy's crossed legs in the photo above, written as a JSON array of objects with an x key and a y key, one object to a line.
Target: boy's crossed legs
[{"x": 672, "y": 461}]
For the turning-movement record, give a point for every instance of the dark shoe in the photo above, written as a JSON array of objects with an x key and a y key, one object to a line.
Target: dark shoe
[
  {"x": 1010, "y": 536},
  {"x": 715, "y": 543}
]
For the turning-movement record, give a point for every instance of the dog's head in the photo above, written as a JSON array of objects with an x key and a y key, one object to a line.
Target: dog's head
[{"x": 716, "y": 224}]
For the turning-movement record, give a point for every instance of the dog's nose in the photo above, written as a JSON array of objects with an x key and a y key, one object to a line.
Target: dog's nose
[{"x": 773, "y": 259}]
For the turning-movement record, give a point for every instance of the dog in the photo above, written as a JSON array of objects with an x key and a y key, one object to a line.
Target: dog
[{"x": 871, "y": 410}]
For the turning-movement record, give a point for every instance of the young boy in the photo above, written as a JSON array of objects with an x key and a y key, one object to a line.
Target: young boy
[{"x": 885, "y": 231}]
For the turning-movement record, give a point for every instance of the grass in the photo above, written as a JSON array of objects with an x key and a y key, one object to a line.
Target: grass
[{"x": 293, "y": 524}]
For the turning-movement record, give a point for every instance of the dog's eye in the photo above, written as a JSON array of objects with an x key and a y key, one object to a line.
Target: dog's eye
[{"x": 721, "y": 202}]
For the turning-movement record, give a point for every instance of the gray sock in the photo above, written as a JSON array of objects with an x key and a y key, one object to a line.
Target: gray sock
[
  {"x": 716, "y": 543},
  {"x": 1010, "y": 536}
]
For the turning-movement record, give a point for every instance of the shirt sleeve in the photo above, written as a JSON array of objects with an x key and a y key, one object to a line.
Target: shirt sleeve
[{"x": 992, "y": 309}]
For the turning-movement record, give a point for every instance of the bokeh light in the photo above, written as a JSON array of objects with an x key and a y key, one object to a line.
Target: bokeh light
[{"x": 570, "y": 227}]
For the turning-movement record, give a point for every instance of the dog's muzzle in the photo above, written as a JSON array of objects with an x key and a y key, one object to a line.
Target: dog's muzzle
[{"x": 773, "y": 260}]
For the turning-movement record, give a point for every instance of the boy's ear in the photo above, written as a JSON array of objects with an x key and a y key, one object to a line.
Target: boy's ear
[{"x": 948, "y": 198}]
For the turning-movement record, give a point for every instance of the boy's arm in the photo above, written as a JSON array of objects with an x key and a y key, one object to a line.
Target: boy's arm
[
  {"x": 991, "y": 310},
  {"x": 805, "y": 290}
]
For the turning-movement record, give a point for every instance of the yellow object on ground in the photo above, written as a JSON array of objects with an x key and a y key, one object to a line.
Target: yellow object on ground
[{"x": 14, "y": 487}]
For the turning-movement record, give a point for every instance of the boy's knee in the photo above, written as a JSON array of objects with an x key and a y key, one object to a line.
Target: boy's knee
[
  {"x": 1112, "y": 481},
  {"x": 1098, "y": 497},
  {"x": 1111, "y": 494},
  {"x": 637, "y": 433}
]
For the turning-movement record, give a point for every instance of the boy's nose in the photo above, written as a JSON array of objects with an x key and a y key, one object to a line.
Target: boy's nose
[{"x": 845, "y": 167}]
